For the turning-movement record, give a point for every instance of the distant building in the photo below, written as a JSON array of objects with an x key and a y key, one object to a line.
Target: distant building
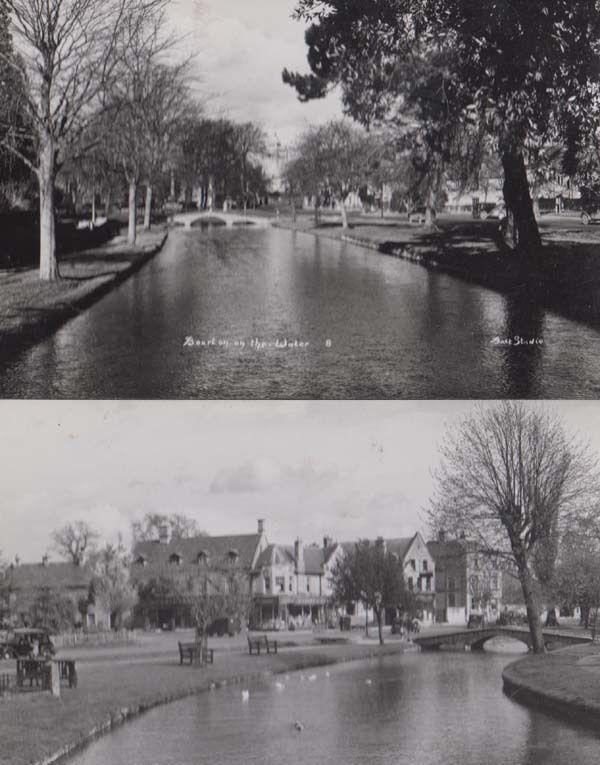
[
  {"x": 27, "y": 581},
  {"x": 293, "y": 586},
  {"x": 158, "y": 562},
  {"x": 418, "y": 567},
  {"x": 467, "y": 581}
]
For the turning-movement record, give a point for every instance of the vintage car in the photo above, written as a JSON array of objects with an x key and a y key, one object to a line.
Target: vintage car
[
  {"x": 21, "y": 643},
  {"x": 223, "y": 626}
]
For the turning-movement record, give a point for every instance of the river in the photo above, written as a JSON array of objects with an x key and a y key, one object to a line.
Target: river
[
  {"x": 430, "y": 709},
  {"x": 270, "y": 313}
]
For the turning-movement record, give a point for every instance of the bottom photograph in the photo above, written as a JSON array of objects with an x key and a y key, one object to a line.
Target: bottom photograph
[{"x": 273, "y": 582}]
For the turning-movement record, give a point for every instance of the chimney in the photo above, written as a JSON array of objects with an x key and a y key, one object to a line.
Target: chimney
[
  {"x": 261, "y": 525},
  {"x": 441, "y": 535},
  {"x": 299, "y": 555},
  {"x": 164, "y": 533},
  {"x": 17, "y": 560},
  {"x": 45, "y": 559},
  {"x": 327, "y": 542}
]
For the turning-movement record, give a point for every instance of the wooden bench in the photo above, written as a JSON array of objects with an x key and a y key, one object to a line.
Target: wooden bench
[
  {"x": 191, "y": 650},
  {"x": 34, "y": 670},
  {"x": 256, "y": 643}
]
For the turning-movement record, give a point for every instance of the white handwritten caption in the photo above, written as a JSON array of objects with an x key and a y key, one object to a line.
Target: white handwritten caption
[{"x": 255, "y": 343}]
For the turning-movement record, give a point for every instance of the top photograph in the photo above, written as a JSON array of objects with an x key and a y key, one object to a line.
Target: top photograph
[{"x": 299, "y": 199}]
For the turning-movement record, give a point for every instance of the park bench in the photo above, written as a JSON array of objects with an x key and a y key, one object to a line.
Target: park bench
[
  {"x": 256, "y": 643},
  {"x": 37, "y": 671},
  {"x": 191, "y": 650}
]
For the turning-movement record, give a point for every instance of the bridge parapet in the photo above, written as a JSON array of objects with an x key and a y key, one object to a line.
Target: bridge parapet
[
  {"x": 188, "y": 219},
  {"x": 477, "y": 638}
]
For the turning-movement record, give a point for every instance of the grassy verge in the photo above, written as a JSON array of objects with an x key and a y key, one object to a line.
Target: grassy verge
[
  {"x": 564, "y": 275},
  {"x": 564, "y": 682},
  {"x": 37, "y": 728},
  {"x": 31, "y": 310}
]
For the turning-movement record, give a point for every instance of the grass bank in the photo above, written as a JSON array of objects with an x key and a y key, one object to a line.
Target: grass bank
[
  {"x": 31, "y": 309},
  {"x": 37, "y": 728},
  {"x": 563, "y": 276},
  {"x": 565, "y": 682}
]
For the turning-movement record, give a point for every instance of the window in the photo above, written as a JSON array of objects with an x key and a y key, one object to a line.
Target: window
[
  {"x": 410, "y": 583},
  {"x": 451, "y": 600},
  {"x": 308, "y": 584},
  {"x": 428, "y": 584},
  {"x": 290, "y": 586},
  {"x": 419, "y": 584},
  {"x": 280, "y": 583},
  {"x": 202, "y": 557},
  {"x": 267, "y": 579},
  {"x": 176, "y": 559},
  {"x": 413, "y": 564},
  {"x": 425, "y": 566},
  {"x": 350, "y": 609},
  {"x": 451, "y": 585}
]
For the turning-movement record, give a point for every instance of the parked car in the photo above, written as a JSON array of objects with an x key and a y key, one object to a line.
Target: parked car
[
  {"x": 590, "y": 202},
  {"x": 20, "y": 643},
  {"x": 223, "y": 626},
  {"x": 417, "y": 215}
]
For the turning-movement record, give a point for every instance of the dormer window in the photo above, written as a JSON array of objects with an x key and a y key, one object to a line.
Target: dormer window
[
  {"x": 202, "y": 558},
  {"x": 141, "y": 560},
  {"x": 233, "y": 555},
  {"x": 176, "y": 559}
]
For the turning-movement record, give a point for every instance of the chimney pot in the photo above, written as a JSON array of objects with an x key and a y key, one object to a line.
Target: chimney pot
[
  {"x": 164, "y": 533},
  {"x": 261, "y": 525},
  {"x": 44, "y": 560}
]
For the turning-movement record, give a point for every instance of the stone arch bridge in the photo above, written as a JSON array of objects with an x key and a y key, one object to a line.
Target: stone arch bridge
[
  {"x": 194, "y": 217},
  {"x": 475, "y": 639}
]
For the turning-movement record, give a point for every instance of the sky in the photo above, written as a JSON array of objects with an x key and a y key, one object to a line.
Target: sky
[
  {"x": 240, "y": 48},
  {"x": 345, "y": 469}
]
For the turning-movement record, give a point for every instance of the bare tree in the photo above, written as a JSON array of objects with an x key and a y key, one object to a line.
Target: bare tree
[
  {"x": 248, "y": 139},
  {"x": 68, "y": 51},
  {"x": 111, "y": 584},
  {"x": 373, "y": 576},
  {"x": 181, "y": 527},
  {"x": 509, "y": 479},
  {"x": 74, "y": 541}
]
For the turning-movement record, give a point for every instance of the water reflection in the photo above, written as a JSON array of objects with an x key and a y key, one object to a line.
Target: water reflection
[
  {"x": 425, "y": 708},
  {"x": 395, "y": 329}
]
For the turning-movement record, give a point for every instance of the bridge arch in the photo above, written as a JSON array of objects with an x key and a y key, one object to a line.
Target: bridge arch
[{"x": 521, "y": 637}]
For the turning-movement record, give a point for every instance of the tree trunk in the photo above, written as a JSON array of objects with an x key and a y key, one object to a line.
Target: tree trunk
[
  {"x": 46, "y": 176},
  {"x": 211, "y": 194},
  {"x": 293, "y": 211},
  {"x": 530, "y": 595},
  {"x": 367, "y": 622},
  {"x": 148, "y": 207},
  {"x": 522, "y": 230},
  {"x": 430, "y": 214},
  {"x": 379, "y": 616},
  {"x": 93, "y": 205},
  {"x": 131, "y": 230},
  {"x": 172, "y": 189},
  {"x": 382, "y": 200},
  {"x": 107, "y": 205},
  {"x": 343, "y": 213}
]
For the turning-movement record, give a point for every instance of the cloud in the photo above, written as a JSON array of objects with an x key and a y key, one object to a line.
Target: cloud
[{"x": 262, "y": 474}]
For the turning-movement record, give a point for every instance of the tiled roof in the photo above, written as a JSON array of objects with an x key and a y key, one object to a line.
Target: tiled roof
[
  {"x": 59, "y": 575},
  {"x": 399, "y": 546},
  {"x": 275, "y": 555},
  {"x": 217, "y": 549}
]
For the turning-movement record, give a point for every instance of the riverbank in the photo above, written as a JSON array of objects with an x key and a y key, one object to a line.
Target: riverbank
[
  {"x": 31, "y": 309},
  {"x": 565, "y": 682},
  {"x": 563, "y": 276},
  {"x": 37, "y": 728}
]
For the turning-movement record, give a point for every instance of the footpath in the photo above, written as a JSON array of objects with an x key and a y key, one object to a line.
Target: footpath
[
  {"x": 564, "y": 275},
  {"x": 31, "y": 309},
  {"x": 39, "y": 729},
  {"x": 565, "y": 682}
]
